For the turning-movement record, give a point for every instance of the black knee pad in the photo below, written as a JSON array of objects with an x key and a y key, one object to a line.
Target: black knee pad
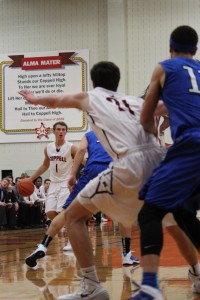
[{"x": 150, "y": 222}]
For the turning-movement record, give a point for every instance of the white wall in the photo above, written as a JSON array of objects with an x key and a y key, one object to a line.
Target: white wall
[{"x": 132, "y": 33}]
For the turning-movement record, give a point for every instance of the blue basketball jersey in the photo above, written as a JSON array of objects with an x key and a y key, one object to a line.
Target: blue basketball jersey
[
  {"x": 181, "y": 94},
  {"x": 98, "y": 161},
  {"x": 96, "y": 153}
]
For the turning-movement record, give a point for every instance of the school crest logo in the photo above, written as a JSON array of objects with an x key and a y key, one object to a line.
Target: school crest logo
[{"x": 42, "y": 131}]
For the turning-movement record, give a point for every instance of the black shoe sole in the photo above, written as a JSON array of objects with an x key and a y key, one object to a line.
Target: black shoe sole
[{"x": 31, "y": 260}]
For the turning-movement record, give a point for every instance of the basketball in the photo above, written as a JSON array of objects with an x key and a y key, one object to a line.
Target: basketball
[{"x": 25, "y": 187}]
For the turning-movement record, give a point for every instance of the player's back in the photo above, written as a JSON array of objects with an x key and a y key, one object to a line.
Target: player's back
[
  {"x": 115, "y": 119},
  {"x": 181, "y": 94}
]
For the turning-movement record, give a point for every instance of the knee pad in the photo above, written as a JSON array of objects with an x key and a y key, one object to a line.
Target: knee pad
[{"x": 151, "y": 232}]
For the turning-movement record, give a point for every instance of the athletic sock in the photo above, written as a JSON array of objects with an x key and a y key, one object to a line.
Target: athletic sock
[
  {"x": 126, "y": 244},
  {"x": 150, "y": 279},
  {"x": 47, "y": 240},
  {"x": 91, "y": 277}
]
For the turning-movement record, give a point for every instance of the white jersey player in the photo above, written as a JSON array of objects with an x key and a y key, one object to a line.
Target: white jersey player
[
  {"x": 115, "y": 120},
  {"x": 58, "y": 158}
]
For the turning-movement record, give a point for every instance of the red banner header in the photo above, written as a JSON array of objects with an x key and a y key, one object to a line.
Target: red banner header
[{"x": 45, "y": 62}]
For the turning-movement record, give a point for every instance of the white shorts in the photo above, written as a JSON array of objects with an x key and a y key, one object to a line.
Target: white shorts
[
  {"x": 58, "y": 192},
  {"x": 115, "y": 190}
]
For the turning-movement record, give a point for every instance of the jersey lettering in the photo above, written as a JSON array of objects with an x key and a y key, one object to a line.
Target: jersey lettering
[
  {"x": 114, "y": 100},
  {"x": 193, "y": 79}
]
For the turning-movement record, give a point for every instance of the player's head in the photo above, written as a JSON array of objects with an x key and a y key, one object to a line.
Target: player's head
[
  {"x": 105, "y": 74},
  {"x": 61, "y": 124},
  {"x": 184, "y": 39},
  {"x": 38, "y": 181}
]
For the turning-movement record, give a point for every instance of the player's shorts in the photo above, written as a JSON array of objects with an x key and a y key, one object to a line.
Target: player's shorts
[
  {"x": 175, "y": 180},
  {"x": 57, "y": 193},
  {"x": 88, "y": 174},
  {"x": 115, "y": 191}
]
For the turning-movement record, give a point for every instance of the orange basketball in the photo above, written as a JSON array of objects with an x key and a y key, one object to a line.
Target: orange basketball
[{"x": 25, "y": 187}]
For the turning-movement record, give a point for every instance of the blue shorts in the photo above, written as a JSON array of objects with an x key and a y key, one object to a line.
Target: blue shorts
[
  {"x": 88, "y": 174},
  {"x": 177, "y": 177}
]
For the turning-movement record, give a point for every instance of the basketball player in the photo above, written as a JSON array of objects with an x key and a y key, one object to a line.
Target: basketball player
[
  {"x": 98, "y": 161},
  {"x": 58, "y": 158},
  {"x": 115, "y": 119},
  {"x": 174, "y": 184}
]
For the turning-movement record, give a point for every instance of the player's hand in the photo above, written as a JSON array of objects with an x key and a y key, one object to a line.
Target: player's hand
[
  {"x": 28, "y": 96},
  {"x": 71, "y": 183}
]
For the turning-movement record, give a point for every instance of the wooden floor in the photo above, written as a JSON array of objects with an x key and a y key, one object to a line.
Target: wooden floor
[{"x": 58, "y": 273}]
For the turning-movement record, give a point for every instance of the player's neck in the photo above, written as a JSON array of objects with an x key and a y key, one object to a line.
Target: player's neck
[{"x": 59, "y": 144}]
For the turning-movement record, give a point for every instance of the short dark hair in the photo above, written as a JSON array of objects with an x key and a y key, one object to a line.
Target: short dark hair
[
  {"x": 16, "y": 179},
  {"x": 47, "y": 180},
  {"x": 60, "y": 123},
  {"x": 39, "y": 177},
  {"x": 184, "y": 36},
  {"x": 105, "y": 74}
]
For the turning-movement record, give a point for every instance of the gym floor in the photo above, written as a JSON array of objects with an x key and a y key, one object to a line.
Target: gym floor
[{"x": 58, "y": 273}]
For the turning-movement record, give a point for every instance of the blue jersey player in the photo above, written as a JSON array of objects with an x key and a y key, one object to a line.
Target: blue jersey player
[{"x": 174, "y": 184}]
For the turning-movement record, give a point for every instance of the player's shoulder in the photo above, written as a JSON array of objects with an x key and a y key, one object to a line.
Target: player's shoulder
[
  {"x": 68, "y": 144},
  {"x": 133, "y": 99},
  {"x": 50, "y": 145}
]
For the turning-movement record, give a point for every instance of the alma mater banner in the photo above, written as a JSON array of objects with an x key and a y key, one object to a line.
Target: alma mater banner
[{"x": 43, "y": 73}]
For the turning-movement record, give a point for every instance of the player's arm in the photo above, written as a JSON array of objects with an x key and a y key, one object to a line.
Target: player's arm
[
  {"x": 78, "y": 160},
  {"x": 80, "y": 100},
  {"x": 80, "y": 154},
  {"x": 161, "y": 109},
  {"x": 43, "y": 167},
  {"x": 151, "y": 100}
]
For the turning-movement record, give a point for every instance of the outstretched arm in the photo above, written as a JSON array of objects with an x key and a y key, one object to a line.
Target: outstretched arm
[{"x": 80, "y": 100}]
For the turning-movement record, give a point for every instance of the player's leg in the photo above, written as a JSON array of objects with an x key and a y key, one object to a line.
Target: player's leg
[
  {"x": 127, "y": 257},
  {"x": 57, "y": 223},
  {"x": 150, "y": 222},
  {"x": 76, "y": 216},
  {"x": 51, "y": 201},
  {"x": 82, "y": 181},
  {"x": 189, "y": 223},
  {"x": 190, "y": 254},
  {"x": 184, "y": 244}
]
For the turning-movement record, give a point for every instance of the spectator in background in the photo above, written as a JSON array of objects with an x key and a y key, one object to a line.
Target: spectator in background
[
  {"x": 43, "y": 191},
  {"x": 35, "y": 203},
  {"x": 25, "y": 210},
  {"x": 44, "y": 188},
  {"x": 8, "y": 206},
  {"x": 10, "y": 177},
  {"x": 24, "y": 175}
]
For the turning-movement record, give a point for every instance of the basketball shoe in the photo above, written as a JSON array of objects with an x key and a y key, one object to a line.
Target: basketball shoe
[
  {"x": 68, "y": 247},
  {"x": 129, "y": 259},
  {"x": 40, "y": 252},
  {"x": 195, "y": 279},
  {"x": 148, "y": 293},
  {"x": 95, "y": 292}
]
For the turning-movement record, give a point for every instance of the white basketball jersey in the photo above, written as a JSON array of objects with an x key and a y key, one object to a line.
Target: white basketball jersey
[
  {"x": 60, "y": 162},
  {"x": 115, "y": 119}
]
